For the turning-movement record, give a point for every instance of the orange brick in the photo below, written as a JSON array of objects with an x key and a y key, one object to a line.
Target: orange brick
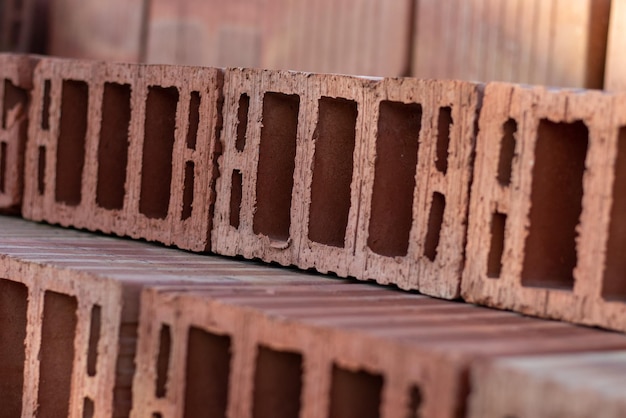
[
  {"x": 573, "y": 386},
  {"x": 338, "y": 350},
  {"x": 124, "y": 149},
  {"x": 15, "y": 85},
  {"x": 69, "y": 305},
  {"x": 546, "y": 232}
]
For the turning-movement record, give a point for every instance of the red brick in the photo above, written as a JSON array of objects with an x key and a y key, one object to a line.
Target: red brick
[
  {"x": 125, "y": 159},
  {"x": 337, "y": 350},
  {"x": 573, "y": 386},
  {"x": 15, "y": 85},
  {"x": 53, "y": 280},
  {"x": 546, "y": 232}
]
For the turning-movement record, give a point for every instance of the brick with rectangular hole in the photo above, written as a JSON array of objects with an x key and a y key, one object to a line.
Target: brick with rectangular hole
[
  {"x": 324, "y": 350},
  {"x": 69, "y": 304},
  {"x": 546, "y": 234},
  {"x": 15, "y": 85},
  {"x": 417, "y": 162},
  {"x": 289, "y": 184},
  {"x": 572, "y": 385},
  {"x": 124, "y": 149}
]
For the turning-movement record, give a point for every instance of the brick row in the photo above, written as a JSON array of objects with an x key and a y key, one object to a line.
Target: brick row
[
  {"x": 124, "y": 149},
  {"x": 315, "y": 351},
  {"x": 546, "y": 230},
  {"x": 361, "y": 177},
  {"x": 573, "y": 386},
  {"x": 69, "y": 306},
  {"x": 15, "y": 85}
]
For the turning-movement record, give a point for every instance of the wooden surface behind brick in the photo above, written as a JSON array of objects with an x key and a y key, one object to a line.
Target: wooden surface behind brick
[
  {"x": 572, "y": 385},
  {"x": 328, "y": 344},
  {"x": 53, "y": 274},
  {"x": 143, "y": 163},
  {"x": 15, "y": 86},
  {"x": 554, "y": 251}
]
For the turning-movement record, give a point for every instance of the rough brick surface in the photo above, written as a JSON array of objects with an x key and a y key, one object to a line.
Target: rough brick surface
[
  {"x": 69, "y": 305},
  {"x": 550, "y": 42},
  {"x": 417, "y": 162},
  {"x": 573, "y": 386},
  {"x": 324, "y": 350},
  {"x": 325, "y": 172},
  {"x": 15, "y": 86},
  {"x": 546, "y": 231},
  {"x": 123, "y": 148}
]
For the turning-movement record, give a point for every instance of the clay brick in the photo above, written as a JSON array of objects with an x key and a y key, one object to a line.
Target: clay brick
[
  {"x": 271, "y": 171},
  {"x": 315, "y": 351},
  {"x": 615, "y": 60},
  {"x": 15, "y": 86},
  {"x": 69, "y": 305},
  {"x": 573, "y": 386},
  {"x": 124, "y": 149},
  {"x": 551, "y": 42},
  {"x": 545, "y": 233},
  {"x": 415, "y": 191}
]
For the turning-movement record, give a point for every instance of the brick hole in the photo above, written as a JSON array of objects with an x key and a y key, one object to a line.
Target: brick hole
[
  {"x": 88, "y": 408},
  {"x": 41, "y": 170},
  {"x": 94, "y": 337},
  {"x": 207, "y": 376},
  {"x": 15, "y": 101},
  {"x": 236, "y": 193},
  {"x": 163, "y": 360},
  {"x": 71, "y": 143},
  {"x": 399, "y": 126},
  {"x": 3, "y": 166},
  {"x": 157, "y": 415},
  {"x": 194, "y": 119},
  {"x": 496, "y": 248},
  {"x": 242, "y": 121},
  {"x": 277, "y": 384},
  {"x": 45, "y": 107},
  {"x": 277, "y": 154},
  {"x": 16, "y": 30},
  {"x": 13, "y": 311},
  {"x": 113, "y": 146},
  {"x": 507, "y": 152},
  {"x": 355, "y": 394},
  {"x": 158, "y": 145},
  {"x": 556, "y": 204},
  {"x": 614, "y": 281},
  {"x": 56, "y": 354},
  {"x": 444, "y": 121},
  {"x": 435, "y": 222},
  {"x": 415, "y": 402},
  {"x": 333, "y": 163},
  {"x": 188, "y": 190}
]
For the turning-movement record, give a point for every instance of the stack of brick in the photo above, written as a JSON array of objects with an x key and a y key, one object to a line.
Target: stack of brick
[
  {"x": 361, "y": 177},
  {"x": 69, "y": 306},
  {"x": 124, "y": 149},
  {"x": 325, "y": 351},
  {"x": 15, "y": 85},
  {"x": 548, "y": 199}
]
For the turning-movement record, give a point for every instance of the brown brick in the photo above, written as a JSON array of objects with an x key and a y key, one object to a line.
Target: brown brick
[
  {"x": 15, "y": 86},
  {"x": 573, "y": 386},
  {"x": 326, "y": 350},
  {"x": 124, "y": 149},
  {"x": 69, "y": 305},
  {"x": 417, "y": 161},
  {"x": 546, "y": 233}
]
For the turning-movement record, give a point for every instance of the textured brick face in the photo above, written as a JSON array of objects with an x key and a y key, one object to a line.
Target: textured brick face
[
  {"x": 324, "y": 349},
  {"x": 124, "y": 149},
  {"x": 545, "y": 217},
  {"x": 15, "y": 86},
  {"x": 339, "y": 184}
]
